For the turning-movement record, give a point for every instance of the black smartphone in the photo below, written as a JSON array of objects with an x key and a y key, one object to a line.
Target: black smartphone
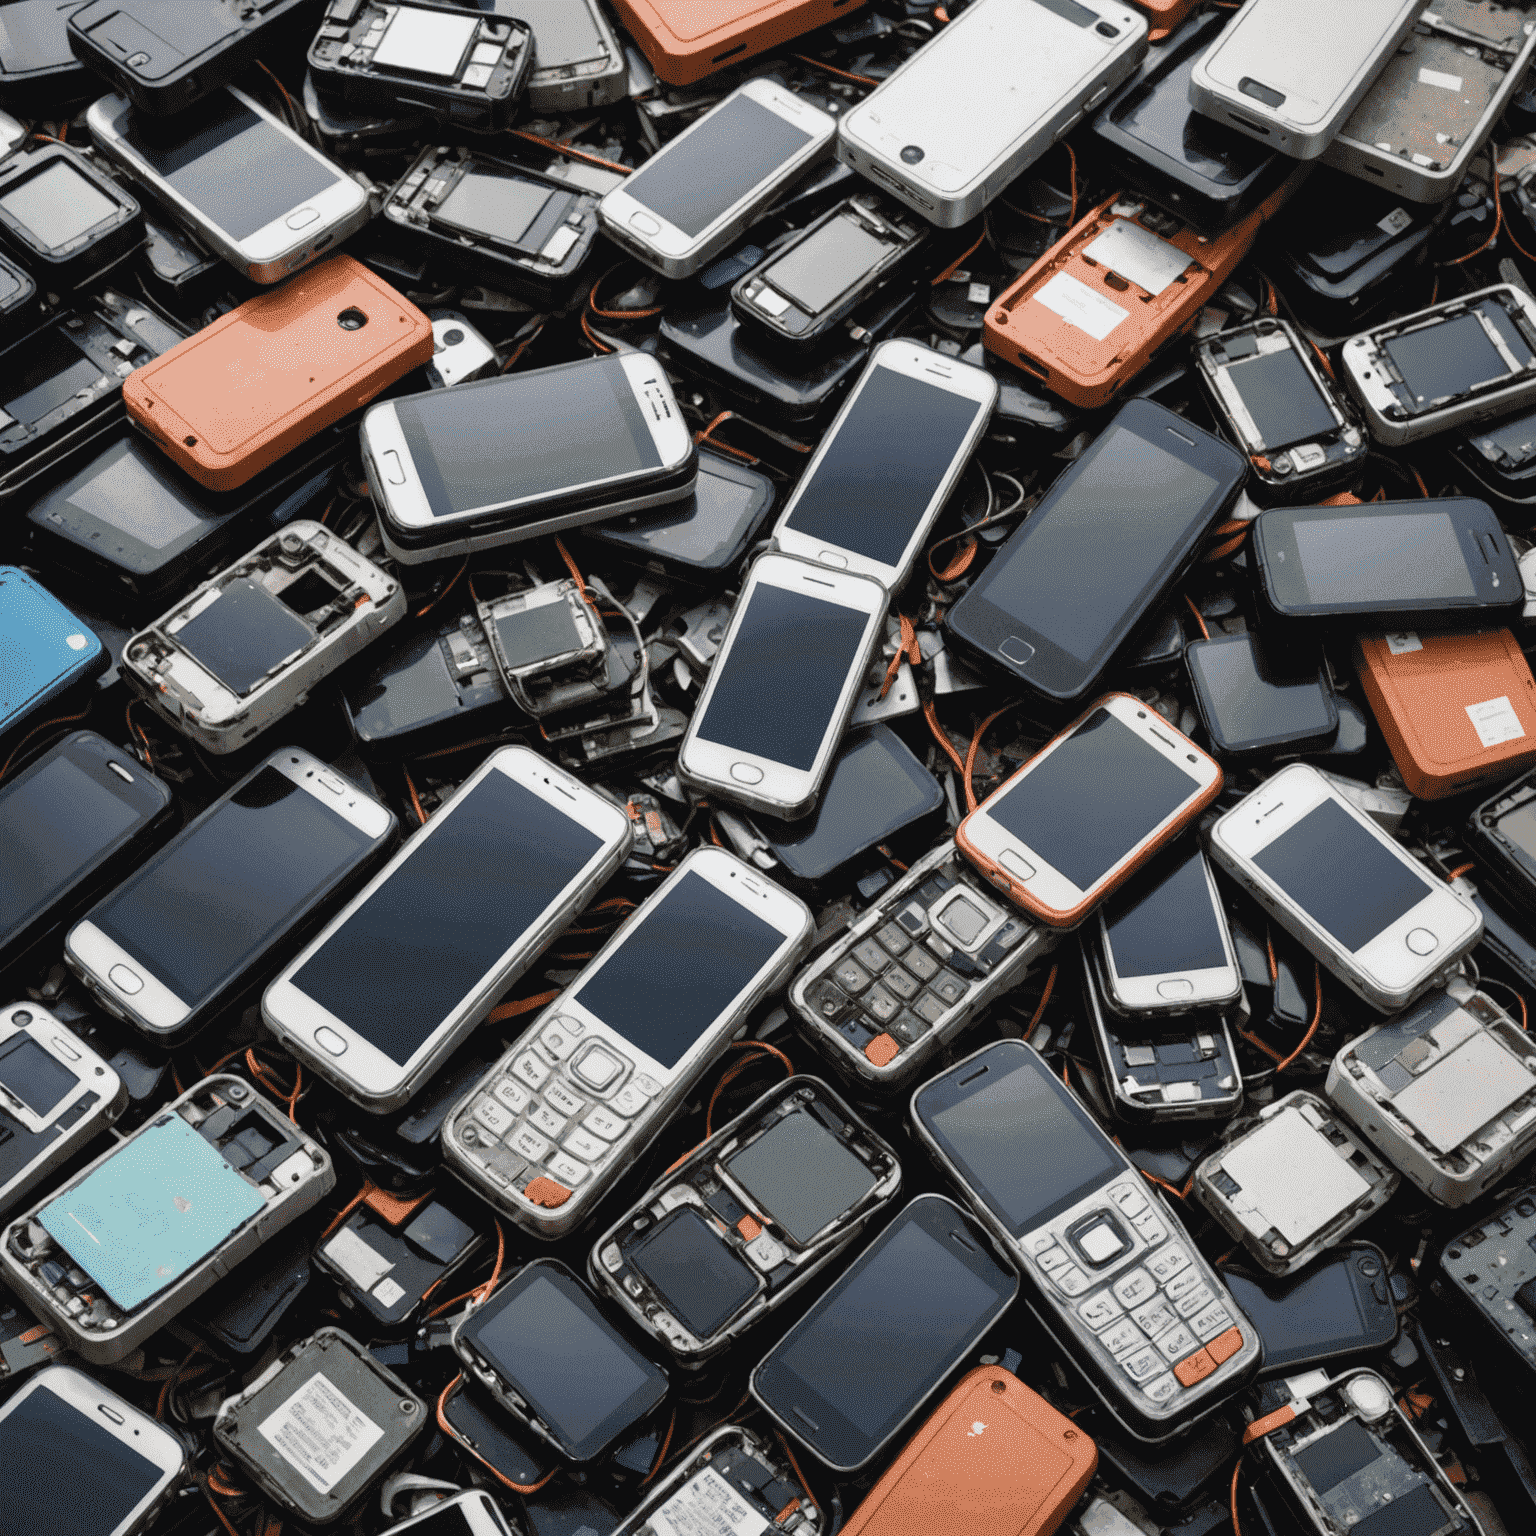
[
  {"x": 1248, "y": 708},
  {"x": 1142, "y": 498},
  {"x": 1338, "y": 1307},
  {"x": 1502, "y": 835},
  {"x": 1409, "y": 565},
  {"x": 877, "y": 1345},
  {"x": 475, "y": 1423},
  {"x": 84, "y": 813}
]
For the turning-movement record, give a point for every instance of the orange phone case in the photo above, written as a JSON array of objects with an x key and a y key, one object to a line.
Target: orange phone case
[
  {"x": 994, "y": 1457},
  {"x": 1164, "y": 15},
  {"x": 686, "y": 40},
  {"x": 1117, "y": 325},
  {"x": 1070, "y": 918},
  {"x": 1455, "y": 709},
  {"x": 234, "y": 398}
]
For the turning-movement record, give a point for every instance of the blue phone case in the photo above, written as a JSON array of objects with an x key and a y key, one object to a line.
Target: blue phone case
[{"x": 44, "y": 648}]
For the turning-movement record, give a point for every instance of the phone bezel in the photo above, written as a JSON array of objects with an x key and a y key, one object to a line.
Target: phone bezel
[
  {"x": 92, "y": 1075},
  {"x": 478, "y": 1509}
]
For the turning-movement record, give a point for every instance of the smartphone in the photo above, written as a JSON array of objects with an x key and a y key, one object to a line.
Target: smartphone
[
  {"x": 885, "y": 468},
  {"x": 1249, "y": 708},
  {"x": 1286, "y": 73},
  {"x": 461, "y": 1514},
  {"x": 1143, "y": 496},
  {"x": 578, "y": 59},
  {"x": 1302, "y": 440},
  {"x": 746, "y": 1220},
  {"x": 138, "y": 1235},
  {"x": 684, "y": 45},
  {"x": 815, "y": 281},
  {"x": 1038, "y": 64},
  {"x": 1088, "y": 810},
  {"x": 77, "y": 1456},
  {"x": 1436, "y": 563},
  {"x": 1456, "y": 710},
  {"x": 1491, "y": 1267},
  {"x": 1444, "y": 1092},
  {"x": 1293, "y": 1183},
  {"x": 546, "y": 1353},
  {"x": 459, "y": 62},
  {"x": 1112, "y": 1275},
  {"x": 397, "y": 980},
  {"x": 47, "y": 650},
  {"x": 524, "y": 455},
  {"x": 1356, "y": 901},
  {"x": 63, "y": 218},
  {"x": 701, "y": 190},
  {"x": 1501, "y": 835},
  {"x": 310, "y": 352},
  {"x": 183, "y": 935},
  {"x": 926, "y": 958},
  {"x": 783, "y": 685},
  {"x": 1458, "y": 362},
  {"x": 247, "y": 646},
  {"x": 570, "y": 1107},
  {"x": 1021, "y": 1471},
  {"x": 876, "y": 1346},
  {"x": 71, "y": 824}
]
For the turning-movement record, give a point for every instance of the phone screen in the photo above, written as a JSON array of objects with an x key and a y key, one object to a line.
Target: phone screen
[
  {"x": 40, "y": 1081},
  {"x": 563, "y": 32},
  {"x": 236, "y": 168},
  {"x": 1099, "y": 795},
  {"x": 1340, "y": 876},
  {"x": 1283, "y": 398},
  {"x": 1304, "y": 1319},
  {"x": 825, "y": 265},
  {"x": 695, "y": 179},
  {"x": 210, "y": 903},
  {"x": 526, "y": 436},
  {"x": 883, "y": 464},
  {"x": 1159, "y": 115},
  {"x": 53, "y": 371},
  {"x": 129, "y": 492},
  {"x": 1163, "y": 920},
  {"x": 500, "y": 205},
  {"x": 62, "y": 1470},
  {"x": 697, "y": 1275},
  {"x": 1389, "y": 557},
  {"x": 420, "y": 943},
  {"x": 799, "y": 1174},
  {"x": 1246, "y": 707},
  {"x": 58, "y": 205},
  {"x": 1449, "y": 359}
]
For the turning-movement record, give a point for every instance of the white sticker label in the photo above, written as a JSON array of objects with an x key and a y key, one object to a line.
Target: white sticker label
[
  {"x": 387, "y": 1292},
  {"x": 1437, "y": 77},
  {"x": 362, "y": 1265},
  {"x": 979, "y": 293},
  {"x": 320, "y": 1432},
  {"x": 1080, "y": 305},
  {"x": 1395, "y": 222},
  {"x": 1138, "y": 256},
  {"x": 1495, "y": 721},
  {"x": 1400, "y": 644},
  {"x": 707, "y": 1505}
]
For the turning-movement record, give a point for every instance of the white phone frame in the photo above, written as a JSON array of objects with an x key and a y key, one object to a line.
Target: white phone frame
[
  {"x": 672, "y": 251},
  {"x": 270, "y": 253},
  {"x": 70, "y": 1052},
  {"x": 155, "y": 1008},
  {"x": 938, "y": 372},
  {"x": 1383, "y": 971},
  {"x": 478, "y": 1509},
  {"x": 360, "y": 1070},
  {"x": 143, "y": 1435},
  {"x": 777, "y": 788}
]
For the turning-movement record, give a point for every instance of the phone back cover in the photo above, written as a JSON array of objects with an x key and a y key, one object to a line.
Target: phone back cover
[
  {"x": 1455, "y": 709},
  {"x": 237, "y": 396},
  {"x": 44, "y": 648},
  {"x": 994, "y": 1457},
  {"x": 150, "y": 1212}
]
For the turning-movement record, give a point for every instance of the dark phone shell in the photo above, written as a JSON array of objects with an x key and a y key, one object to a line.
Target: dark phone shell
[
  {"x": 65, "y": 270},
  {"x": 1502, "y": 863},
  {"x": 53, "y": 78},
  {"x": 1224, "y": 746},
  {"x": 479, "y": 1426}
]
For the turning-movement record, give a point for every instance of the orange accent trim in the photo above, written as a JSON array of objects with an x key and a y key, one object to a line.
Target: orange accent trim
[
  {"x": 1225, "y": 1345},
  {"x": 786, "y": 1512},
  {"x": 1196, "y": 1368},
  {"x": 391, "y": 1208},
  {"x": 750, "y": 1228},
  {"x": 544, "y": 1191},
  {"x": 882, "y": 1050},
  {"x": 1268, "y": 1424}
]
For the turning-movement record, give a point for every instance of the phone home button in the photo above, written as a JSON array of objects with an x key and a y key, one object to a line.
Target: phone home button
[
  {"x": 124, "y": 980},
  {"x": 645, "y": 223},
  {"x": 302, "y": 217},
  {"x": 328, "y": 1040},
  {"x": 1178, "y": 987},
  {"x": 1014, "y": 864},
  {"x": 1421, "y": 941},
  {"x": 746, "y": 773},
  {"x": 394, "y": 470},
  {"x": 832, "y": 558},
  {"x": 1015, "y": 650}
]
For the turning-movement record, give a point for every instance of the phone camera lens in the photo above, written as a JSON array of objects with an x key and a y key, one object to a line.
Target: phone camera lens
[
  {"x": 1104, "y": 29},
  {"x": 21, "y": 1018},
  {"x": 453, "y": 338},
  {"x": 912, "y": 154},
  {"x": 351, "y": 319}
]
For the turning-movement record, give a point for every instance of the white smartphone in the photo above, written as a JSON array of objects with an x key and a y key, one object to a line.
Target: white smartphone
[
  {"x": 888, "y": 463},
  {"x": 1089, "y": 809},
  {"x": 464, "y": 1514},
  {"x": 783, "y": 684},
  {"x": 395, "y": 982},
  {"x": 987, "y": 97},
  {"x": 1357, "y": 902},
  {"x": 1289, "y": 72},
  {"x": 500, "y": 460},
  {"x": 547, "y": 1131},
  {"x": 696, "y": 194},
  {"x": 239, "y": 179},
  {"x": 75, "y": 1457}
]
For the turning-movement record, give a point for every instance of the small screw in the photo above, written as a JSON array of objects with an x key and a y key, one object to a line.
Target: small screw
[
  {"x": 238, "y": 1091},
  {"x": 407, "y": 1406}
]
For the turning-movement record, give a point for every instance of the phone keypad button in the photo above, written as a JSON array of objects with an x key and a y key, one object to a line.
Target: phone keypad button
[
  {"x": 1099, "y": 1311},
  {"x": 1168, "y": 1262},
  {"x": 562, "y": 1100},
  {"x": 1052, "y": 1259},
  {"x": 528, "y": 1143},
  {"x": 1141, "y": 1365},
  {"x": 544, "y": 1120},
  {"x": 881, "y": 1005},
  {"x": 1195, "y": 1369},
  {"x": 597, "y": 1068},
  {"x": 765, "y": 1252},
  {"x": 1128, "y": 1198},
  {"x": 602, "y": 1122},
  {"x": 921, "y": 964},
  {"x": 1215, "y": 1319},
  {"x": 567, "y": 1169},
  {"x": 1162, "y": 1389},
  {"x": 1182, "y": 1286},
  {"x": 904, "y": 986},
  {"x": 585, "y": 1145},
  {"x": 1123, "y": 1337},
  {"x": 629, "y": 1100},
  {"x": 557, "y": 1040},
  {"x": 531, "y": 1070},
  {"x": 647, "y": 1086},
  {"x": 871, "y": 957},
  {"x": 1148, "y": 1224},
  {"x": 948, "y": 988},
  {"x": 1071, "y": 1279},
  {"x": 496, "y": 1118},
  {"x": 892, "y": 937},
  {"x": 1177, "y": 1342},
  {"x": 1155, "y": 1317},
  {"x": 515, "y": 1098},
  {"x": 1135, "y": 1288},
  {"x": 929, "y": 1009},
  {"x": 1196, "y": 1300},
  {"x": 1225, "y": 1345},
  {"x": 852, "y": 976}
]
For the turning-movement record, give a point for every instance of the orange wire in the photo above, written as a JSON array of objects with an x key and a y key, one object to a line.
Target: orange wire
[
  {"x": 575, "y": 570},
  {"x": 931, "y": 715},
  {"x": 223, "y": 1518},
  {"x": 831, "y": 70},
  {"x": 565, "y": 149},
  {"x": 1460, "y": 870},
  {"x": 1045, "y": 997},
  {"x": 57, "y": 720},
  {"x": 1199, "y": 617},
  {"x": 617, "y": 314},
  {"x": 661, "y": 1455},
  {"x": 970, "y": 757},
  {"x": 410, "y": 784},
  {"x": 958, "y": 262},
  {"x": 166, "y": 1389},
  {"x": 1498, "y": 217},
  {"x": 521, "y": 1005},
  {"x": 1237, "y": 1527},
  {"x": 1306, "y": 1039},
  {"x": 448, "y": 1429},
  {"x": 421, "y": 613}
]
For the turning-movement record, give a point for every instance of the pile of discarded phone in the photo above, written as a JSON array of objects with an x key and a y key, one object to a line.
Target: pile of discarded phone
[{"x": 767, "y": 766}]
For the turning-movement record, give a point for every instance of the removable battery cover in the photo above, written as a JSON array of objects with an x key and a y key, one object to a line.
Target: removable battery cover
[{"x": 320, "y": 1425}]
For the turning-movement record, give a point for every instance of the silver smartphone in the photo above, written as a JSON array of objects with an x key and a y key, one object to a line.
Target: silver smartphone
[
  {"x": 1289, "y": 72},
  {"x": 1355, "y": 900},
  {"x": 398, "y": 979},
  {"x": 578, "y": 59},
  {"x": 182, "y": 935},
  {"x": 501, "y": 460},
  {"x": 783, "y": 684},
  {"x": 461, "y": 1514},
  {"x": 887, "y": 465},
  {"x": 239, "y": 179},
  {"x": 697, "y": 193},
  {"x": 987, "y": 97},
  {"x": 77, "y": 1457},
  {"x": 546, "y": 1132}
]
